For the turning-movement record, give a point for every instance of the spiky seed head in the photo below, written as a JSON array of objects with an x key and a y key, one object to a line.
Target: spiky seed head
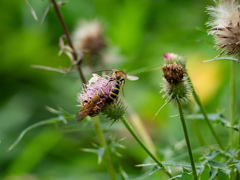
[
  {"x": 88, "y": 37},
  {"x": 176, "y": 85},
  {"x": 224, "y": 25},
  {"x": 173, "y": 73}
]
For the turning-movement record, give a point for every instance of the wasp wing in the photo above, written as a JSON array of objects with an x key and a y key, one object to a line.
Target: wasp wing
[
  {"x": 131, "y": 77},
  {"x": 83, "y": 112}
]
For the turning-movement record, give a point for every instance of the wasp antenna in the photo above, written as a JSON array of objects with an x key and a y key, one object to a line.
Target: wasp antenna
[{"x": 103, "y": 70}]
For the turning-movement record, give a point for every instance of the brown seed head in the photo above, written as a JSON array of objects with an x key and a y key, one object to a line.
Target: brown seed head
[
  {"x": 173, "y": 73},
  {"x": 88, "y": 37}
]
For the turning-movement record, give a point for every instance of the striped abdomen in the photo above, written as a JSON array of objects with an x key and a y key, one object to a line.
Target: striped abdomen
[{"x": 115, "y": 90}]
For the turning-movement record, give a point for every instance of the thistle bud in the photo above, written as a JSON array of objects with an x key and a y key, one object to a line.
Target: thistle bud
[
  {"x": 88, "y": 37},
  {"x": 170, "y": 58},
  {"x": 115, "y": 110},
  {"x": 175, "y": 85},
  {"x": 224, "y": 25}
]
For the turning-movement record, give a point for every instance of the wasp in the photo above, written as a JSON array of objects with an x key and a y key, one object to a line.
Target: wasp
[
  {"x": 90, "y": 107},
  {"x": 119, "y": 78}
]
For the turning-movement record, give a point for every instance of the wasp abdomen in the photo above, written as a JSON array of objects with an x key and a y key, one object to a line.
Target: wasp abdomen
[{"x": 114, "y": 91}]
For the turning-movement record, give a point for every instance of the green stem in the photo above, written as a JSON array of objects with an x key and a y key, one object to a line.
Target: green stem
[
  {"x": 187, "y": 139},
  {"x": 232, "y": 96},
  {"x": 102, "y": 141},
  {"x": 197, "y": 99},
  {"x": 238, "y": 174},
  {"x": 198, "y": 132},
  {"x": 129, "y": 128}
]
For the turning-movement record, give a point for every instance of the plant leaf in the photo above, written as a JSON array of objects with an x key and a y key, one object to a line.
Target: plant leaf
[
  {"x": 213, "y": 173},
  {"x": 123, "y": 174},
  {"x": 100, "y": 152},
  {"x": 32, "y": 10},
  {"x": 41, "y": 123},
  {"x": 215, "y": 117},
  {"x": 60, "y": 70},
  {"x": 223, "y": 58},
  {"x": 237, "y": 165}
]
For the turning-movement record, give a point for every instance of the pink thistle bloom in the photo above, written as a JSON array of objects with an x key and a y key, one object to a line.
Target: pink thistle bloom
[
  {"x": 170, "y": 58},
  {"x": 96, "y": 85}
]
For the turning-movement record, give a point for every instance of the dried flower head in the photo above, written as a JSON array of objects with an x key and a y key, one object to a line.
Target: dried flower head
[
  {"x": 88, "y": 37},
  {"x": 225, "y": 26},
  {"x": 170, "y": 58},
  {"x": 175, "y": 85},
  {"x": 94, "y": 98}
]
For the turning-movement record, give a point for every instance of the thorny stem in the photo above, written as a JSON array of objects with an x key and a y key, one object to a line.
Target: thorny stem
[
  {"x": 205, "y": 116},
  {"x": 129, "y": 128},
  {"x": 232, "y": 96},
  {"x": 102, "y": 141},
  {"x": 187, "y": 139},
  {"x": 69, "y": 40},
  {"x": 95, "y": 120}
]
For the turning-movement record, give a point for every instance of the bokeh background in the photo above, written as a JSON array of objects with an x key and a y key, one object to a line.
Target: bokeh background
[{"x": 138, "y": 34}]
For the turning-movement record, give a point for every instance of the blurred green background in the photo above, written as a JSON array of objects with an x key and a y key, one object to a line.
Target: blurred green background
[{"x": 141, "y": 32}]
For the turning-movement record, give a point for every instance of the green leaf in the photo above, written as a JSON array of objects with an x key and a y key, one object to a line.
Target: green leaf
[
  {"x": 237, "y": 165},
  {"x": 114, "y": 144},
  {"x": 226, "y": 171},
  {"x": 62, "y": 116},
  {"x": 210, "y": 156},
  {"x": 123, "y": 174},
  {"x": 213, "y": 173},
  {"x": 100, "y": 152},
  {"x": 41, "y": 123},
  {"x": 223, "y": 58},
  {"x": 215, "y": 117}
]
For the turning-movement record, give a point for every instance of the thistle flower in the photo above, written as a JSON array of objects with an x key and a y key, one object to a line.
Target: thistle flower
[
  {"x": 170, "y": 58},
  {"x": 225, "y": 26},
  {"x": 96, "y": 85},
  {"x": 92, "y": 106},
  {"x": 175, "y": 85},
  {"x": 88, "y": 37}
]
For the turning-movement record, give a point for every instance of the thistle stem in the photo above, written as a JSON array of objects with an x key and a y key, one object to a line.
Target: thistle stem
[
  {"x": 187, "y": 139},
  {"x": 129, "y": 128},
  {"x": 102, "y": 141},
  {"x": 232, "y": 96},
  {"x": 65, "y": 29},
  {"x": 197, "y": 99}
]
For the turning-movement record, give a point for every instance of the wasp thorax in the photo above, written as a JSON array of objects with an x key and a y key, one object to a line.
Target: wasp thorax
[{"x": 173, "y": 73}]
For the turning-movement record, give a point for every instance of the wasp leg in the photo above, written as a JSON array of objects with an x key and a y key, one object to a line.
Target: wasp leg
[
  {"x": 123, "y": 83},
  {"x": 111, "y": 79}
]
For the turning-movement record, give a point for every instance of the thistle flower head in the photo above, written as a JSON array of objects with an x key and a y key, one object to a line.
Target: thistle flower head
[
  {"x": 175, "y": 85},
  {"x": 100, "y": 87},
  {"x": 170, "y": 58},
  {"x": 225, "y": 26},
  {"x": 96, "y": 85},
  {"x": 88, "y": 37}
]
